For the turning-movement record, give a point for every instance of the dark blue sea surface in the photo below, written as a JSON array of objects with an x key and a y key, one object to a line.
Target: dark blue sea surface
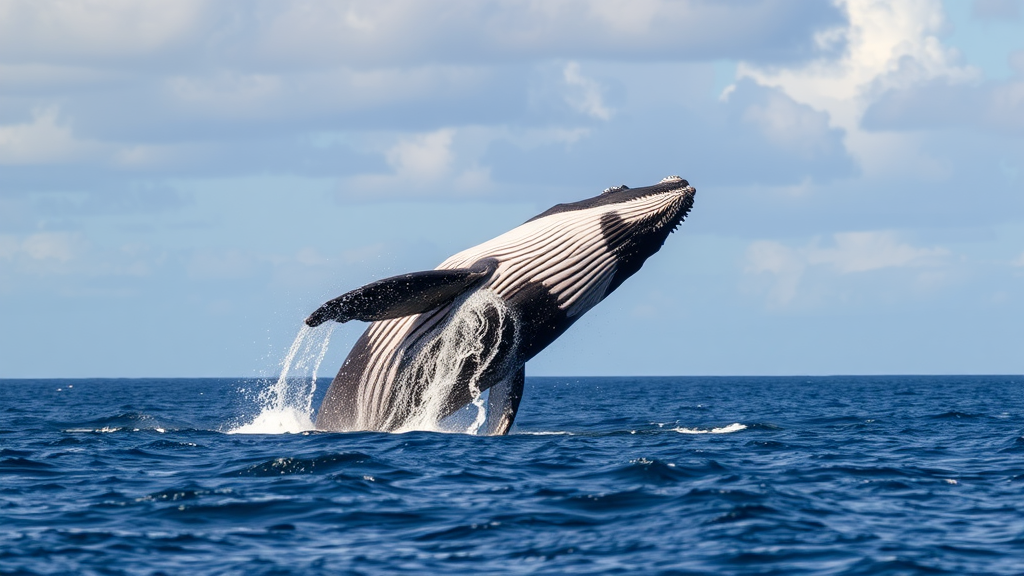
[{"x": 789, "y": 475}]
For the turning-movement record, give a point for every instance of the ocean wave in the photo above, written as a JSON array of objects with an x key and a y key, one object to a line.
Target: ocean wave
[
  {"x": 773, "y": 476},
  {"x": 734, "y": 427}
]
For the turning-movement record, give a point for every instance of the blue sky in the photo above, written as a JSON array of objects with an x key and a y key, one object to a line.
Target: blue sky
[{"x": 182, "y": 182}]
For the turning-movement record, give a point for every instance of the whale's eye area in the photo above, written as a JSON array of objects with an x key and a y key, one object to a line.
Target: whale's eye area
[{"x": 615, "y": 188}]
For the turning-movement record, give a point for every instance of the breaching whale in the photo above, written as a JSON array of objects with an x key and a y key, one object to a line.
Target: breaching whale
[{"x": 441, "y": 337}]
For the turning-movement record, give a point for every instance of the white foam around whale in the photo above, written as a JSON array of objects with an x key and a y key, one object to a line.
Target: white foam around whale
[
  {"x": 459, "y": 344},
  {"x": 286, "y": 406},
  {"x": 734, "y": 427}
]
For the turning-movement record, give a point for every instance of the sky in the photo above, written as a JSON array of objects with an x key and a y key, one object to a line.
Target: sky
[{"x": 181, "y": 183}]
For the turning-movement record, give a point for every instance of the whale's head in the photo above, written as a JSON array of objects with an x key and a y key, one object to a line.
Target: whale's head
[
  {"x": 576, "y": 254},
  {"x": 634, "y": 222},
  {"x": 617, "y": 230}
]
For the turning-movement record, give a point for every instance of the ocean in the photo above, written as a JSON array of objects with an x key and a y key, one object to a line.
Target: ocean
[{"x": 634, "y": 475}]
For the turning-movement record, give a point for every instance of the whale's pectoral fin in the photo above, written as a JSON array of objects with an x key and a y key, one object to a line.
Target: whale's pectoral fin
[
  {"x": 403, "y": 295},
  {"x": 503, "y": 402}
]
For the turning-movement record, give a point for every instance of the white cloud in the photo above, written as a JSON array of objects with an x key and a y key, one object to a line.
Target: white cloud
[
  {"x": 942, "y": 103},
  {"x": 80, "y": 30},
  {"x": 427, "y": 163},
  {"x": 49, "y": 139},
  {"x": 401, "y": 32},
  {"x": 75, "y": 254},
  {"x": 850, "y": 253},
  {"x": 1006, "y": 106},
  {"x": 889, "y": 45},
  {"x": 539, "y": 137},
  {"x": 220, "y": 87},
  {"x": 295, "y": 95},
  {"x": 864, "y": 251},
  {"x": 586, "y": 96},
  {"x": 31, "y": 78},
  {"x": 390, "y": 32},
  {"x": 60, "y": 247},
  {"x": 424, "y": 156},
  {"x": 782, "y": 262},
  {"x": 795, "y": 127},
  {"x": 42, "y": 140},
  {"x": 229, "y": 93}
]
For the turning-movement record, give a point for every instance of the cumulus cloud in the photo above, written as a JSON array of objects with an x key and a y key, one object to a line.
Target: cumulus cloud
[
  {"x": 213, "y": 89},
  {"x": 785, "y": 123},
  {"x": 82, "y": 255},
  {"x": 57, "y": 246},
  {"x": 422, "y": 157},
  {"x": 261, "y": 33},
  {"x": 425, "y": 164},
  {"x": 586, "y": 96},
  {"x": 50, "y": 138},
  {"x": 41, "y": 252},
  {"x": 942, "y": 103},
  {"x": 232, "y": 104},
  {"x": 782, "y": 262},
  {"x": 849, "y": 253},
  {"x": 216, "y": 87},
  {"x": 757, "y": 134},
  {"x": 889, "y": 46},
  {"x": 882, "y": 38},
  {"x": 865, "y": 251},
  {"x": 44, "y": 139},
  {"x": 94, "y": 31},
  {"x": 50, "y": 246}
]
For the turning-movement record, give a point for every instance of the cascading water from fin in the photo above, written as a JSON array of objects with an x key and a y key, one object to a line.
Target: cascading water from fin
[
  {"x": 469, "y": 346},
  {"x": 286, "y": 406},
  {"x": 475, "y": 342}
]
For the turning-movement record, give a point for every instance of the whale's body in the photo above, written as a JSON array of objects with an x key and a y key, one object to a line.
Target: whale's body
[{"x": 439, "y": 338}]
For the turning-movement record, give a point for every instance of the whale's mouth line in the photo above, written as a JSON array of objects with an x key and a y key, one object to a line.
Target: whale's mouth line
[
  {"x": 687, "y": 206},
  {"x": 672, "y": 216}
]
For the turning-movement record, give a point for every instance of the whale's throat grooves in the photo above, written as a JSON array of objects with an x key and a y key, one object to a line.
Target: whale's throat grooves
[{"x": 450, "y": 363}]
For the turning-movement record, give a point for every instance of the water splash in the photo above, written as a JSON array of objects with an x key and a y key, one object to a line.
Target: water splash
[
  {"x": 734, "y": 427},
  {"x": 286, "y": 406},
  {"x": 475, "y": 341}
]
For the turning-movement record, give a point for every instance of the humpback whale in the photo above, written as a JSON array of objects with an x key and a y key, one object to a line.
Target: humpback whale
[{"x": 439, "y": 338}]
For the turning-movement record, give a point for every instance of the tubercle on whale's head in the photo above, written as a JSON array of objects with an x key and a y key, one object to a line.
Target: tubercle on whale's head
[
  {"x": 673, "y": 200},
  {"x": 668, "y": 185},
  {"x": 638, "y": 220}
]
